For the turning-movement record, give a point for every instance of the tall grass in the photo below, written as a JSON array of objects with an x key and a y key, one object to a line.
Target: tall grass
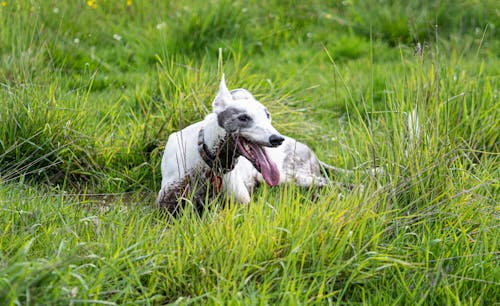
[{"x": 88, "y": 96}]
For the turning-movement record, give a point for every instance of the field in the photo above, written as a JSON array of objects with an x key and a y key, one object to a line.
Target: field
[{"x": 90, "y": 91}]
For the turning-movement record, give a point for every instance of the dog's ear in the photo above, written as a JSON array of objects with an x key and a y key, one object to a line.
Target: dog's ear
[{"x": 223, "y": 97}]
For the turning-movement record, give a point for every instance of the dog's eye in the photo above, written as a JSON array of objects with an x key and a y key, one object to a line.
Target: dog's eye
[
  {"x": 268, "y": 115},
  {"x": 244, "y": 118}
]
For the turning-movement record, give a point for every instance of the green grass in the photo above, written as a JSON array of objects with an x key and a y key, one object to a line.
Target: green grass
[{"x": 88, "y": 97}]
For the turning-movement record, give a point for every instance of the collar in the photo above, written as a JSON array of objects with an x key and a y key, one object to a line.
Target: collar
[
  {"x": 223, "y": 159},
  {"x": 205, "y": 153}
]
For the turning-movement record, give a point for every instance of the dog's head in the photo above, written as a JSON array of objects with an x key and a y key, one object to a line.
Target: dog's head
[{"x": 249, "y": 123}]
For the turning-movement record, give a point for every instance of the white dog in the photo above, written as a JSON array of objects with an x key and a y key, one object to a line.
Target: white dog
[{"x": 197, "y": 157}]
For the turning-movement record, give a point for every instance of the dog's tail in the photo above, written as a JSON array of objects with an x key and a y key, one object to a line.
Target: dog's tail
[{"x": 372, "y": 171}]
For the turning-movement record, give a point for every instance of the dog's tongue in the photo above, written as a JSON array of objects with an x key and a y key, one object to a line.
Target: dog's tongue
[{"x": 268, "y": 168}]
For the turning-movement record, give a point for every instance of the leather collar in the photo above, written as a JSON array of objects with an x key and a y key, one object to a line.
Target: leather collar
[
  {"x": 205, "y": 153},
  {"x": 224, "y": 157}
]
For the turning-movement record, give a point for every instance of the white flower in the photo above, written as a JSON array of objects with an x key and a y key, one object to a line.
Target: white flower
[
  {"x": 161, "y": 26},
  {"x": 117, "y": 37},
  {"x": 76, "y": 40}
]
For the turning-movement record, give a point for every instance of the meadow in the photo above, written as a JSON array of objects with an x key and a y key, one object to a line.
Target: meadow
[{"x": 90, "y": 91}]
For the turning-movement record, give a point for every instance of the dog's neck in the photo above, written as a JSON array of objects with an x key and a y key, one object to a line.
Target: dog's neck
[
  {"x": 214, "y": 133},
  {"x": 216, "y": 147}
]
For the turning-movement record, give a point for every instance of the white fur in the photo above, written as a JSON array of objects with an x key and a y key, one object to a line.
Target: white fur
[{"x": 181, "y": 155}]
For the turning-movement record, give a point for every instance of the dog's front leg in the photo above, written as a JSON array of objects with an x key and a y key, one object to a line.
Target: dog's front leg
[
  {"x": 234, "y": 187},
  {"x": 171, "y": 195}
]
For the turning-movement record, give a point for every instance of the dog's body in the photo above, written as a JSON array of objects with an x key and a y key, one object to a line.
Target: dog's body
[
  {"x": 206, "y": 150},
  {"x": 296, "y": 163}
]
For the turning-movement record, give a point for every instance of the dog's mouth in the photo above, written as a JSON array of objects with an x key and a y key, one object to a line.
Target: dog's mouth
[{"x": 256, "y": 154}]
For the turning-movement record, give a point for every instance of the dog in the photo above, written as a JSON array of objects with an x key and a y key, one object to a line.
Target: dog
[
  {"x": 196, "y": 158},
  {"x": 295, "y": 161}
]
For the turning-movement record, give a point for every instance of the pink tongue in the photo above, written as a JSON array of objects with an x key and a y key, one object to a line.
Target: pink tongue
[{"x": 268, "y": 168}]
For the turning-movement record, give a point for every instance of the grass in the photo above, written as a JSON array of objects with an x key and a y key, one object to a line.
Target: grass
[{"x": 89, "y": 94}]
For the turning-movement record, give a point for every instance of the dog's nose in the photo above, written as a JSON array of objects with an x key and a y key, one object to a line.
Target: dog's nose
[{"x": 276, "y": 140}]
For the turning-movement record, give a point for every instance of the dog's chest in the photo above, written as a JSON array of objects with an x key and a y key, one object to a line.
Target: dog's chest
[{"x": 203, "y": 181}]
